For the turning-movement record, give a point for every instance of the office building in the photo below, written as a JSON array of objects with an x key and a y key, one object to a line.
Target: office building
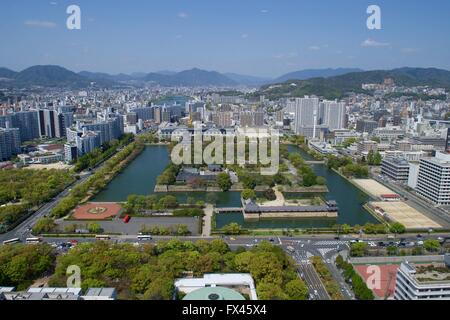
[
  {"x": 26, "y": 121},
  {"x": 396, "y": 169},
  {"x": 258, "y": 119},
  {"x": 88, "y": 142},
  {"x": 222, "y": 119},
  {"x": 367, "y": 146},
  {"x": 418, "y": 282},
  {"x": 332, "y": 114},
  {"x": 246, "y": 119},
  {"x": 52, "y": 123},
  {"x": 70, "y": 153},
  {"x": 447, "y": 141},
  {"x": 368, "y": 126},
  {"x": 433, "y": 181},
  {"x": 9, "y": 143},
  {"x": 305, "y": 110}
]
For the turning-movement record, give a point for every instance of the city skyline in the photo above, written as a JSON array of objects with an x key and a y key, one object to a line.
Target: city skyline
[{"x": 270, "y": 37}]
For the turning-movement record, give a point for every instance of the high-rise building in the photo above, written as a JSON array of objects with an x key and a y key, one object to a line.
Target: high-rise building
[
  {"x": 131, "y": 118},
  {"x": 144, "y": 113},
  {"x": 165, "y": 115},
  {"x": 333, "y": 114},
  {"x": 88, "y": 142},
  {"x": 107, "y": 128},
  {"x": 246, "y": 119},
  {"x": 258, "y": 119},
  {"x": 70, "y": 152},
  {"x": 26, "y": 121},
  {"x": 306, "y": 110},
  {"x": 433, "y": 182},
  {"x": 157, "y": 115},
  {"x": 48, "y": 123},
  {"x": 364, "y": 125},
  {"x": 447, "y": 148},
  {"x": 53, "y": 124},
  {"x": 223, "y": 119},
  {"x": 9, "y": 143}
]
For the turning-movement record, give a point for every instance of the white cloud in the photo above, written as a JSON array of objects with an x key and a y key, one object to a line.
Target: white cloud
[
  {"x": 372, "y": 43},
  {"x": 264, "y": 11},
  {"x": 314, "y": 48},
  {"x": 244, "y": 36},
  {"x": 53, "y": 3},
  {"x": 183, "y": 15},
  {"x": 40, "y": 24}
]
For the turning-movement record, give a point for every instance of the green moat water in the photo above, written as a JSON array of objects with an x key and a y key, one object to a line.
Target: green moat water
[{"x": 140, "y": 178}]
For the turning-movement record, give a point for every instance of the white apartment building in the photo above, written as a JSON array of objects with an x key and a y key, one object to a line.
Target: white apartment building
[
  {"x": 417, "y": 284},
  {"x": 305, "y": 113},
  {"x": 396, "y": 169},
  {"x": 333, "y": 114},
  {"x": 433, "y": 180}
]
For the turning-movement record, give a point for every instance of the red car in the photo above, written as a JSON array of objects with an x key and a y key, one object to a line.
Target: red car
[{"x": 126, "y": 219}]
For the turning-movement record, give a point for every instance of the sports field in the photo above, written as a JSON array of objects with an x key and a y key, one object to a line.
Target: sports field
[
  {"x": 379, "y": 278},
  {"x": 406, "y": 215},
  {"x": 372, "y": 187}
]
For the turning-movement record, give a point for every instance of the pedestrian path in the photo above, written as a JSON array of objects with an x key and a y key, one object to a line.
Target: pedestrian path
[{"x": 206, "y": 230}]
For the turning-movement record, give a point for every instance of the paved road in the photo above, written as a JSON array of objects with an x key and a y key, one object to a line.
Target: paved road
[
  {"x": 315, "y": 286},
  {"x": 23, "y": 230},
  {"x": 328, "y": 251}
]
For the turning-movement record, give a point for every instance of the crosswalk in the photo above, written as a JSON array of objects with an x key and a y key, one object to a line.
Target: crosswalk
[
  {"x": 334, "y": 243},
  {"x": 325, "y": 251}
]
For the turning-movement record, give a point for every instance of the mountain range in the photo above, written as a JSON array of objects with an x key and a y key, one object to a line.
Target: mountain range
[
  {"x": 56, "y": 76},
  {"x": 324, "y": 82},
  {"x": 315, "y": 73},
  {"x": 335, "y": 87}
]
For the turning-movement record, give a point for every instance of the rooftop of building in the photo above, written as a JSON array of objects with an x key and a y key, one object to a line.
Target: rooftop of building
[
  {"x": 397, "y": 161},
  {"x": 213, "y": 294},
  {"x": 435, "y": 273}
]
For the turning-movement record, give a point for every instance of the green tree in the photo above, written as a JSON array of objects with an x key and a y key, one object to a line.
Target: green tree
[
  {"x": 358, "y": 249},
  {"x": 232, "y": 229},
  {"x": 297, "y": 290},
  {"x": 160, "y": 289},
  {"x": 397, "y": 228},
  {"x": 168, "y": 202},
  {"x": 431, "y": 245},
  {"x": 21, "y": 264},
  {"x": 270, "y": 292},
  {"x": 248, "y": 194},
  {"x": 94, "y": 228},
  {"x": 224, "y": 181},
  {"x": 44, "y": 225}
]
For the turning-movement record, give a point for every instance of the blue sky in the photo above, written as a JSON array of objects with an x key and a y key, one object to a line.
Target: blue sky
[{"x": 256, "y": 37}]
